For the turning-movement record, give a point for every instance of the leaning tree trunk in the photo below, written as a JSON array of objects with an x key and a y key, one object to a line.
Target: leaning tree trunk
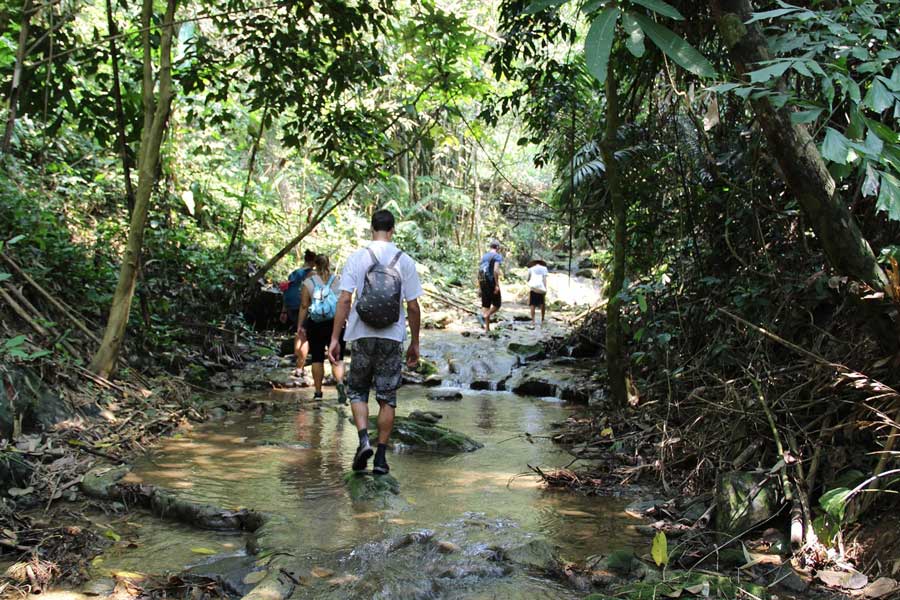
[
  {"x": 795, "y": 150},
  {"x": 615, "y": 361},
  {"x": 156, "y": 113},
  {"x": 15, "y": 89}
]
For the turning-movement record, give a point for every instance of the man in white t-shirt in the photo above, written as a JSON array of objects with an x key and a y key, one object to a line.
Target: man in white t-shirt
[
  {"x": 537, "y": 288},
  {"x": 376, "y": 353}
]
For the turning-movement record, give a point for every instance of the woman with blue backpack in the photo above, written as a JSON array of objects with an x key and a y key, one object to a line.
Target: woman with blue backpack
[{"x": 318, "y": 303}]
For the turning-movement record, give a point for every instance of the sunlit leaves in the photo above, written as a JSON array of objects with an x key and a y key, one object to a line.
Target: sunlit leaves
[
  {"x": 889, "y": 198},
  {"x": 598, "y": 43},
  {"x": 635, "y": 40}
]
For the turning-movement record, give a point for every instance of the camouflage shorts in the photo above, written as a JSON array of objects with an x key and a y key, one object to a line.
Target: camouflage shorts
[{"x": 378, "y": 362}]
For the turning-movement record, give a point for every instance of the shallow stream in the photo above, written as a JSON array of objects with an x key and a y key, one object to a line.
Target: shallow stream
[{"x": 469, "y": 499}]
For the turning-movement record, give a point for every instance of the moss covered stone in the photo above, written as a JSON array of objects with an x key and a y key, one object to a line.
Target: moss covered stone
[
  {"x": 421, "y": 435},
  {"x": 366, "y": 486}
]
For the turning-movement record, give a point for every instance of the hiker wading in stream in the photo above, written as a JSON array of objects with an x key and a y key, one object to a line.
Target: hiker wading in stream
[
  {"x": 382, "y": 277},
  {"x": 318, "y": 306},
  {"x": 489, "y": 284},
  {"x": 290, "y": 311}
]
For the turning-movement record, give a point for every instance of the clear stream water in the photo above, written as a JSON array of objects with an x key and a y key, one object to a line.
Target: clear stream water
[
  {"x": 469, "y": 499},
  {"x": 475, "y": 500}
]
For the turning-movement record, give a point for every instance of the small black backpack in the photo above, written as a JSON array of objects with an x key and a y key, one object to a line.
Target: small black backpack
[
  {"x": 378, "y": 305},
  {"x": 486, "y": 275}
]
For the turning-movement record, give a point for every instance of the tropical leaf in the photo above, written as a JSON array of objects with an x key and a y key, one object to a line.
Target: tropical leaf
[
  {"x": 835, "y": 502},
  {"x": 889, "y": 198},
  {"x": 772, "y": 71},
  {"x": 598, "y": 43},
  {"x": 836, "y": 147},
  {"x": 772, "y": 14},
  {"x": 660, "y": 7},
  {"x": 635, "y": 40},
  {"x": 676, "y": 48}
]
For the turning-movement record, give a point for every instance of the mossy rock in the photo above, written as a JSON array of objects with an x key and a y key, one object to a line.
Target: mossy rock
[
  {"x": 426, "y": 367},
  {"x": 742, "y": 500},
  {"x": 527, "y": 352},
  {"x": 366, "y": 486},
  {"x": 419, "y": 435}
]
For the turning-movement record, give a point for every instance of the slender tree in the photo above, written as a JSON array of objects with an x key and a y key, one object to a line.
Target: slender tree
[
  {"x": 797, "y": 154},
  {"x": 156, "y": 107}
]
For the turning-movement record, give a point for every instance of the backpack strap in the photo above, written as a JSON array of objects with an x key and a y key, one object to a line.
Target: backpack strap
[
  {"x": 396, "y": 258},
  {"x": 330, "y": 281},
  {"x": 372, "y": 254}
]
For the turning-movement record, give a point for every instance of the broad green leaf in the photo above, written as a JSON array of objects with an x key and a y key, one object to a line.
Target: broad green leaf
[
  {"x": 836, "y": 147},
  {"x": 879, "y": 97},
  {"x": 660, "y": 549},
  {"x": 676, "y": 48},
  {"x": 538, "y": 5},
  {"x": 4, "y": 276},
  {"x": 590, "y": 7},
  {"x": 772, "y": 71},
  {"x": 771, "y": 14},
  {"x": 805, "y": 116},
  {"x": 642, "y": 303},
  {"x": 598, "y": 43},
  {"x": 15, "y": 240},
  {"x": 724, "y": 88},
  {"x": 835, "y": 502},
  {"x": 635, "y": 40},
  {"x": 889, "y": 198},
  {"x": 660, "y": 7}
]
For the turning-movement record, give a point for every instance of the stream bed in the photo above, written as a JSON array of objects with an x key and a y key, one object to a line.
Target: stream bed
[{"x": 289, "y": 458}]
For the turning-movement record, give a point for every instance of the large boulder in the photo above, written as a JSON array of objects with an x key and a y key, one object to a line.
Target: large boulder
[
  {"x": 413, "y": 434},
  {"x": 527, "y": 352},
  {"x": 24, "y": 397},
  {"x": 743, "y": 500}
]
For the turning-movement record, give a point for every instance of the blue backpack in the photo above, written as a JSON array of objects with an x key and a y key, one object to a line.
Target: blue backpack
[{"x": 324, "y": 302}]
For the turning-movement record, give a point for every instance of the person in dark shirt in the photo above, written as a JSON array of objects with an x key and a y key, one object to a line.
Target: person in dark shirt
[
  {"x": 489, "y": 284},
  {"x": 290, "y": 311}
]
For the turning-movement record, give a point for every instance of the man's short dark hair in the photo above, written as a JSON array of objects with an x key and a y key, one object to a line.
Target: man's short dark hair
[
  {"x": 382, "y": 220},
  {"x": 309, "y": 256}
]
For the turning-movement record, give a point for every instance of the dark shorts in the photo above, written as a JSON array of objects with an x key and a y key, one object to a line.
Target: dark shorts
[
  {"x": 536, "y": 299},
  {"x": 489, "y": 297},
  {"x": 292, "y": 314},
  {"x": 377, "y": 363},
  {"x": 319, "y": 337}
]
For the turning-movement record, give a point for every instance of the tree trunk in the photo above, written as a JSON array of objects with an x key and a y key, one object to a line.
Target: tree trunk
[
  {"x": 15, "y": 88},
  {"x": 120, "y": 112},
  {"x": 798, "y": 156},
  {"x": 238, "y": 225},
  {"x": 156, "y": 113},
  {"x": 615, "y": 361}
]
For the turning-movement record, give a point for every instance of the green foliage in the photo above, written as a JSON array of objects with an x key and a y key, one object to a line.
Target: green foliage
[
  {"x": 14, "y": 348},
  {"x": 660, "y": 549}
]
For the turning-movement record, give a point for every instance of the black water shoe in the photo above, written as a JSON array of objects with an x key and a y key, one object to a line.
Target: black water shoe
[
  {"x": 380, "y": 466},
  {"x": 363, "y": 454}
]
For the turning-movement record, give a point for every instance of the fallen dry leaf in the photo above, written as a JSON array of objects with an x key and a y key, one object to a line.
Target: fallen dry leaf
[{"x": 321, "y": 572}]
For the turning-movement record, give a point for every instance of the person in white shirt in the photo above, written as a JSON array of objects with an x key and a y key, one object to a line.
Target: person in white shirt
[
  {"x": 537, "y": 286},
  {"x": 377, "y": 352}
]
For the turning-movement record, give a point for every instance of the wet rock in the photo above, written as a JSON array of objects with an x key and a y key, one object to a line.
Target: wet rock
[
  {"x": 444, "y": 394},
  {"x": 528, "y": 386},
  {"x": 99, "y": 587},
  {"x": 474, "y": 571},
  {"x": 427, "y": 416},
  {"x": 408, "y": 539},
  {"x": 620, "y": 562},
  {"x": 417, "y": 435},
  {"x": 233, "y": 573},
  {"x": 588, "y": 273},
  {"x": 527, "y": 352},
  {"x": 366, "y": 486},
  {"x": 436, "y": 320},
  {"x": 536, "y": 554},
  {"x": 742, "y": 500},
  {"x": 787, "y": 578}
]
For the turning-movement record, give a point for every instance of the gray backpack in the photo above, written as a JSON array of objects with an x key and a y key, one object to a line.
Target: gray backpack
[{"x": 378, "y": 305}]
